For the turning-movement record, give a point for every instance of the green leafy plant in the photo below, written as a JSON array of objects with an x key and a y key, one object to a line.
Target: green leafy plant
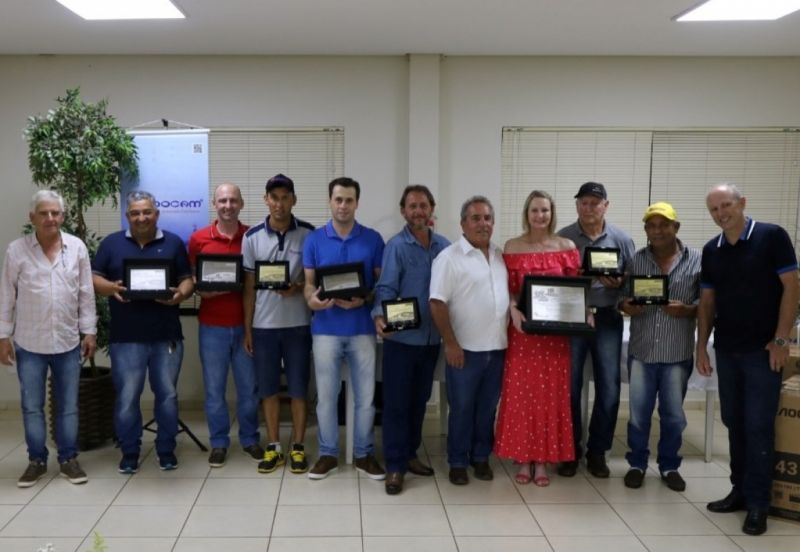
[{"x": 78, "y": 150}]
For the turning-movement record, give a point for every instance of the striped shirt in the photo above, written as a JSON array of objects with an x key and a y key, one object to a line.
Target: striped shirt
[
  {"x": 655, "y": 335},
  {"x": 45, "y": 304}
]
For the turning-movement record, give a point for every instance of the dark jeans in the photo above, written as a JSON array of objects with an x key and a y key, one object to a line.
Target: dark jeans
[
  {"x": 748, "y": 398},
  {"x": 605, "y": 346},
  {"x": 407, "y": 380},
  {"x": 472, "y": 393}
]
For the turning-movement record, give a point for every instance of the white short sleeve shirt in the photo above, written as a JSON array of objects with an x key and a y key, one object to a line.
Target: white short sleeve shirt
[{"x": 476, "y": 293}]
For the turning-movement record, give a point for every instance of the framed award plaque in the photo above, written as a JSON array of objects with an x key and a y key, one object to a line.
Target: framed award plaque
[
  {"x": 146, "y": 279},
  {"x": 401, "y": 314},
  {"x": 602, "y": 261},
  {"x": 272, "y": 275},
  {"x": 343, "y": 281},
  {"x": 649, "y": 290},
  {"x": 554, "y": 305},
  {"x": 218, "y": 273}
]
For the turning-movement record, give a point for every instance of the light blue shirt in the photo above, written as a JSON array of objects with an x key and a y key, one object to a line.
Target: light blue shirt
[{"x": 406, "y": 272}]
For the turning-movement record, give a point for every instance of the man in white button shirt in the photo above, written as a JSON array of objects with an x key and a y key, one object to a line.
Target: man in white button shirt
[
  {"x": 469, "y": 305},
  {"x": 46, "y": 303}
]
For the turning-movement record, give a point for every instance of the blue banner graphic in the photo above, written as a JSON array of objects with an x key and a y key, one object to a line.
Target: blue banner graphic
[{"x": 173, "y": 166}]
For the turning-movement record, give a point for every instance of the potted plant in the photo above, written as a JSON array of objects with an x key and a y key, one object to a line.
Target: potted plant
[{"x": 78, "y": 150}]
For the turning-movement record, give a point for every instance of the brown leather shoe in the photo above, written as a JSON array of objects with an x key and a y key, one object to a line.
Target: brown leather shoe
[
  {"x": 394, "y": 483},
  {"x": 416, "y": 467},
  {"x": 483, "y": 471},
  {"x": 458, "y": 476}
]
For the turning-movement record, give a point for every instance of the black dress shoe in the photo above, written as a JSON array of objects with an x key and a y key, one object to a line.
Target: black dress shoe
[
  {"x": 731, "y": 503},
  {"x": 416, "y": 467},
  {"x": 756, "y": 522},
  {"x": 458, "y": 476},
  {"x": 674, "y": 481},
  {"x": 483, "y": 471},
  {"x": 394, "y": 483},
  {"x": 634, "y": 478},
  {"x": 567, "y": 469},
  {"x": 596, "y": 464}
]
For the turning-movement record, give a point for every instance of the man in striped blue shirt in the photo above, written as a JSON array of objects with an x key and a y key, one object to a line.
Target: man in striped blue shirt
[{"x": 660, "y": 354}]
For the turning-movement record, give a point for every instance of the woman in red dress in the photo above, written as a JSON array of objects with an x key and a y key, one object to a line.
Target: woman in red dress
[{"x": 534, "y": 424}]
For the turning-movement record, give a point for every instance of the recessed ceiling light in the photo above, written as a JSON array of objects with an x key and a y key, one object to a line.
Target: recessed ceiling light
[
  {"x": 123, "y": 9},
  {"x": 740, "y": 10}
]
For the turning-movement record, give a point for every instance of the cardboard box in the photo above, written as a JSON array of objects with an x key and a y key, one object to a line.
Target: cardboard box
[
  {"x": 792, "y": 367},
  {"x": 786, "y": 477}
]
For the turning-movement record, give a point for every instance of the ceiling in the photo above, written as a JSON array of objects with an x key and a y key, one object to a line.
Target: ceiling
[{"x": 393, "y": 27}]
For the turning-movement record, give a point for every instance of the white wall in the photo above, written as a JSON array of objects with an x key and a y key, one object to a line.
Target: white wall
[
  {"x": 366, "y": 96},
  {"x": 481, "y": 95},
  {"x": 369, "y": 97}
]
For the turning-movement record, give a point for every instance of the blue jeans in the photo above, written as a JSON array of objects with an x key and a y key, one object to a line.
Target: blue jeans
[
  {"x": 748, "y": 397},
  {"x": 407, "y": 380},
  {"x": 329, "y": 353},
  {"x": 605, "y": 346},
  {"x": 472, "y": 394},
  {"x": 667, "y": 381},
  {"x": 222, "y": 347},
  {"x": 130, "y": 362},
  {"x": 32, "y": 373}
]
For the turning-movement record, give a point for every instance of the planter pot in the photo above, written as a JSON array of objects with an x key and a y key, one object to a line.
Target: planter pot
[{"x": 95, "y": 408}]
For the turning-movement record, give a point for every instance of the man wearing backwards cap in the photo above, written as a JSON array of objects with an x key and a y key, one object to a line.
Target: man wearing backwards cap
[
  {"x": 605, "y": 346},
  {"x": 660, "y": 354}
]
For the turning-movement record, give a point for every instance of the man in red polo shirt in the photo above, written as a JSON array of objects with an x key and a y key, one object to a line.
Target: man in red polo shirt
[{"x": 221, "y": 335}]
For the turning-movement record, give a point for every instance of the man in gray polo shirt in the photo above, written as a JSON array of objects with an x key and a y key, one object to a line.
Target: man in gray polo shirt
[
  {"x": 605, "y": 346},
  {"x": 276, "y": 321},
  {"x": 660, "y": 354}
]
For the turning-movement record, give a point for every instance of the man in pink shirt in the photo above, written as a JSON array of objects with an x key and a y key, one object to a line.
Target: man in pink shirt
[{"x": 46, "y": 304}]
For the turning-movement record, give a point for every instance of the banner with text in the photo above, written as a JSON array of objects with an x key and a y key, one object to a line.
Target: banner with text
[{"x": 173, "y": 166}]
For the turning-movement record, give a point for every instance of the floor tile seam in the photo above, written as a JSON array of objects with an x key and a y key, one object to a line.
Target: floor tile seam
[
  {"x": 191, "y": 509},
  {"x": 703, "y": 511},
  {"x": 437, "y": 482},
  {"x": 94, "y": 525},
  {"x": 282, "y": 479}
]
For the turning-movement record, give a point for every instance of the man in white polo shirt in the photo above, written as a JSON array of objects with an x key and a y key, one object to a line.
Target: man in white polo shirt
[{"x": 469, "y": 305}]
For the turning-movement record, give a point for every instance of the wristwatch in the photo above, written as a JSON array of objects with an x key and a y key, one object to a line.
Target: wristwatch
[{"x": 781, "y": 342}]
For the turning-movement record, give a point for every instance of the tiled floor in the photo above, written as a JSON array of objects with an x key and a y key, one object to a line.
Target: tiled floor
[{"x": 234, "y": 508}]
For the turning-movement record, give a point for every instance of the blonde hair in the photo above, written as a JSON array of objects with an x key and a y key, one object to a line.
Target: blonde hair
[{"x": 551, "y": 228}]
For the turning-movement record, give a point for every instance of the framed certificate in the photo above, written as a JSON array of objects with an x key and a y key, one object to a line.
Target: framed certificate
[
  {"x": 649, "y": 290},
  {"x": 401, "y": 314},
  {"x": 602, "y": 261},
  {"x": 272, "y": 275},
  {"x": 218, "y": 273},
  {"x": 343, "y": 281},
  {"x": 146, "y": 279},
  {"x": 555, "y": 305}
]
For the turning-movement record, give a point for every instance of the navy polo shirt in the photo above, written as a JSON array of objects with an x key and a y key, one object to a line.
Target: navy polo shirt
[
  {"x": 745, "y": 278},
  {"x": 324, "y": 247},
  {"x": 142, "y": 321}
]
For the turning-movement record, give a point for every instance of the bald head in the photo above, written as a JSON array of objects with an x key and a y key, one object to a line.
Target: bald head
[
  {"x": 228, "y": 187},
  {"x": 726, "y": 206},
  {"x": 728, "y": 188},
  {"x": 228, "y": 202}
]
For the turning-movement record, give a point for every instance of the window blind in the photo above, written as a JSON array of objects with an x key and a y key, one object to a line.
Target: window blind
[
  {"x": 559, "y": 161},
  {"x": 764, "y": 165}
]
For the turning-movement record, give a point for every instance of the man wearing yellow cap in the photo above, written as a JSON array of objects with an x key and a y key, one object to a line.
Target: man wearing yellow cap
[{"x": 660, "y": 354}]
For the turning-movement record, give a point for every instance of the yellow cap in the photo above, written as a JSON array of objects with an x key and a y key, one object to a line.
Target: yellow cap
[{"x": 661, "y": 208}]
